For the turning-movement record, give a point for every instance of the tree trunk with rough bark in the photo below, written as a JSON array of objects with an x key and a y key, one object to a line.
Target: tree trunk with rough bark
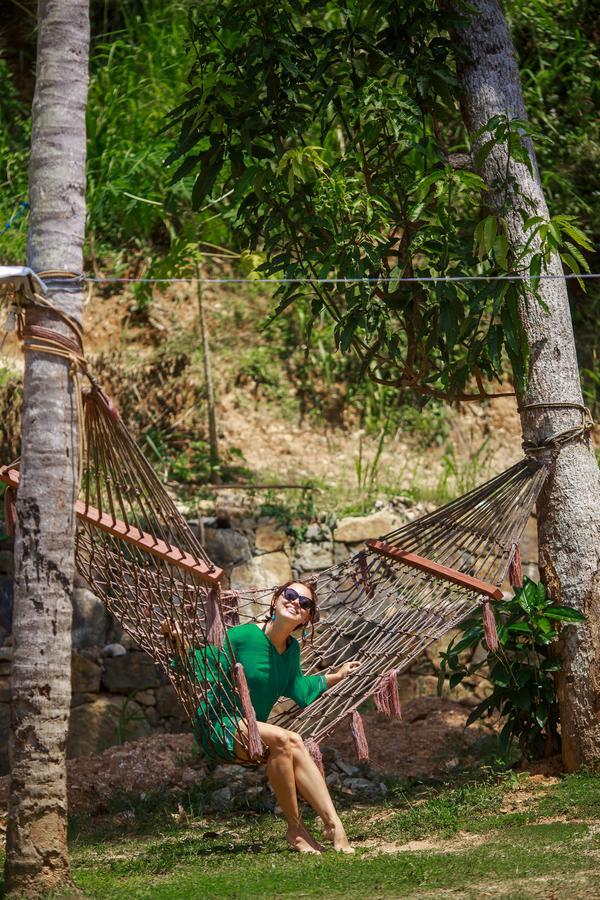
[
  {"x": 36, "y": 857},
  {"x": 569, "y": 508}
]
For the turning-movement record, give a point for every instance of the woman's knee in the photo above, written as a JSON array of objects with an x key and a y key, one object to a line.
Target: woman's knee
[
  {"x": 296, "y": 743},
  {"x": 282, "y": 742}
]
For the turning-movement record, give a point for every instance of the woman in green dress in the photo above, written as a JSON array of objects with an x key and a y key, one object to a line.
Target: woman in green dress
[{"x": 270, "y": 656}]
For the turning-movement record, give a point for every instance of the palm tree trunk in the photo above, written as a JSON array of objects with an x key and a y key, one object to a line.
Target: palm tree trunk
[
  {"x": 569, "y": 508},
  {"x": 36, "y": 858}
]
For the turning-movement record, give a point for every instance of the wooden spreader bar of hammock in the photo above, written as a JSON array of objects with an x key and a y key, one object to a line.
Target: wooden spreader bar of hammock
[
  {"x": 168, "y": 552},
  {"x": 435, "y": 569}
]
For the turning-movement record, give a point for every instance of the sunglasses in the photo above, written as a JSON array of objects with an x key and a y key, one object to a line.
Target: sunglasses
[{"x": 303, "y": 602}]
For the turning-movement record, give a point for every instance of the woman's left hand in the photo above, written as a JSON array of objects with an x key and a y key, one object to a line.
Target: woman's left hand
[{"x": 348, "y": 668}]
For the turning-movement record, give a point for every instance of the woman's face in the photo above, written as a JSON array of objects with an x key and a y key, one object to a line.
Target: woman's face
[{"x": 289, "y": 608}]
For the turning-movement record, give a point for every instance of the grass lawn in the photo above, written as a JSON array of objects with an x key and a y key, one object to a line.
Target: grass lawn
[{"x": 516, "y": 836}]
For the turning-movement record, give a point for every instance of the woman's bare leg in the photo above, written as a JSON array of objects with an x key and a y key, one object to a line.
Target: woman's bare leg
[
  {"x": 280, "y": 770},
  {"x": 313, "y": 788}
]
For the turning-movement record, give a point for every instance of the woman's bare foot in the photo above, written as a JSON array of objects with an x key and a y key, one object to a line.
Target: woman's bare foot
[
  {"x": 301, "y": 840},
  {"x": 336, "y": 834}
]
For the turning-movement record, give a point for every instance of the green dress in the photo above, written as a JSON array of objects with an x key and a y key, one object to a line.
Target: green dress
[{"x": 270, "y": 675}]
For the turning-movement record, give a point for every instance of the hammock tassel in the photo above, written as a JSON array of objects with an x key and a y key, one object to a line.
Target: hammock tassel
[
  {"x": 515, "y": 569},
  {"x": 360, "y": 738},
  {"x": 387, "y": 696},
  {"x": 10, "y": 511},
  {"x": 255, "y": 745},
  {"x": 489, "y": 627},
  {"x": 215, "y": 629},
  {"x": 314, "y": 751}
]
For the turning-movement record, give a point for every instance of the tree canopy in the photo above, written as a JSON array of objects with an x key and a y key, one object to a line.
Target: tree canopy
[{"x": 337, "y": 131}]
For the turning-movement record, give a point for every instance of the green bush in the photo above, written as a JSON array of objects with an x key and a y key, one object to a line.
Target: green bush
[{"x": 522, "y": 671}]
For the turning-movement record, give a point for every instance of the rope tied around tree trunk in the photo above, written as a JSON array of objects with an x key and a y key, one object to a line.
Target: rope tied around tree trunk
[
  {"x": 39, "y": 339},
  {"x": 555, "y": 442}
]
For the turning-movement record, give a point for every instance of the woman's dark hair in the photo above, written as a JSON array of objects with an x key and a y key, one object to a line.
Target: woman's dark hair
[{"x": 314, "y": 613}]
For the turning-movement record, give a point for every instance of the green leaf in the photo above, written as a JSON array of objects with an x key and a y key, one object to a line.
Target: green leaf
[
  {"x": 500, "y": 675},
  {"x": 501, "y": 251},
  {"x": 484, "y": 151},
  {"x": 520, "y": 628},
  {"x": 564, "y": 614},
  {"x": 575, "y": 233},
  {"x": 479, "y": 710},
  {"x": 490, "y": 229}
]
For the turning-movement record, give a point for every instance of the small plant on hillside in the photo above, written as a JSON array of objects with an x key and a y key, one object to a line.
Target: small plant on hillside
[
  {"x": 522, "y": 672},
  {"x": 366, "y": 471}
]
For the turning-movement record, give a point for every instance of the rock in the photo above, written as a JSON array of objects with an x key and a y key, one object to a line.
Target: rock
[
  {"x": 78, "y": 699},
  {"x": 5, "y": 660},
  {"x": 112, "y": 650},
  {"x": 426, "y": 686},
  {"x": 132, "y": 672},
  {"x": 7, "y": 562},
  {"x": 479, "y": 654},
  {"x": 153, "y": 718},
  {"x": 6, "y": 603},
  {"x": 190, "y": 776},
  {"x": 315, "y": 533},
  {"x": 333, "y": 780},
  {"x": 271, "y": 537},
  {"x": 362, "y": 787},
  {"x": 90, "y": 619},
  {"x": 226, "y": 547},
  {"x": 356, "y": 529},
  {"x": 254, "y": 777},
  {"x": 341, "y": 552},
  {"x": 146, "y": 698},
  {"x": 407, "y": 688},
  {"x": 311, "y": 557},
  {"x": 107, "y": 721},
  {"x": 411, "y": 686},
  {"x": 268, "y": 570},
  {"x": 221, "y": 799},
  {"x": 5, "y": 689},
  {"x": 85, "y": 675},
  {"x": 167, "y": 704},
  {"x": 230, "y": 774},
  {"x": 128, "y": 642},
  {"x": 4, "y": 731},
  {"x": 483, "y": 689},
  {"x": 433, "y": 651}
]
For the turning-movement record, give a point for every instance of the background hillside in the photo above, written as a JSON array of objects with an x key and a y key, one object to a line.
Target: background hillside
[{"x": 290, "y": 408}]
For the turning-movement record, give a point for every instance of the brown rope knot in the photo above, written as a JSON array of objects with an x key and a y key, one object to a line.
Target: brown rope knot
[{"x": 555, "y": 442}]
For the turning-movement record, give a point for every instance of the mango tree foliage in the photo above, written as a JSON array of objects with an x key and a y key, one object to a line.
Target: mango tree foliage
[{"x": 338, "y": 130}]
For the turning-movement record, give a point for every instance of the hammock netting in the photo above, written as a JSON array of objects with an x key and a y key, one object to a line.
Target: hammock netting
[{"x": 382, "y": 606}]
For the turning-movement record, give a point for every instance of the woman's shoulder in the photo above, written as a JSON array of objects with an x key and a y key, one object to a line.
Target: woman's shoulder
[{"x": 242, "y": 632}]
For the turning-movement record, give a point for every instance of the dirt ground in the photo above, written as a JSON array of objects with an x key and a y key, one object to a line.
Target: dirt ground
[{"x": 429, "y": 741}]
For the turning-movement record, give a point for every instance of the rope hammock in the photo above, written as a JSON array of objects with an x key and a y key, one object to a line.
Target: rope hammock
[{"x": 383, "y": 605}]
